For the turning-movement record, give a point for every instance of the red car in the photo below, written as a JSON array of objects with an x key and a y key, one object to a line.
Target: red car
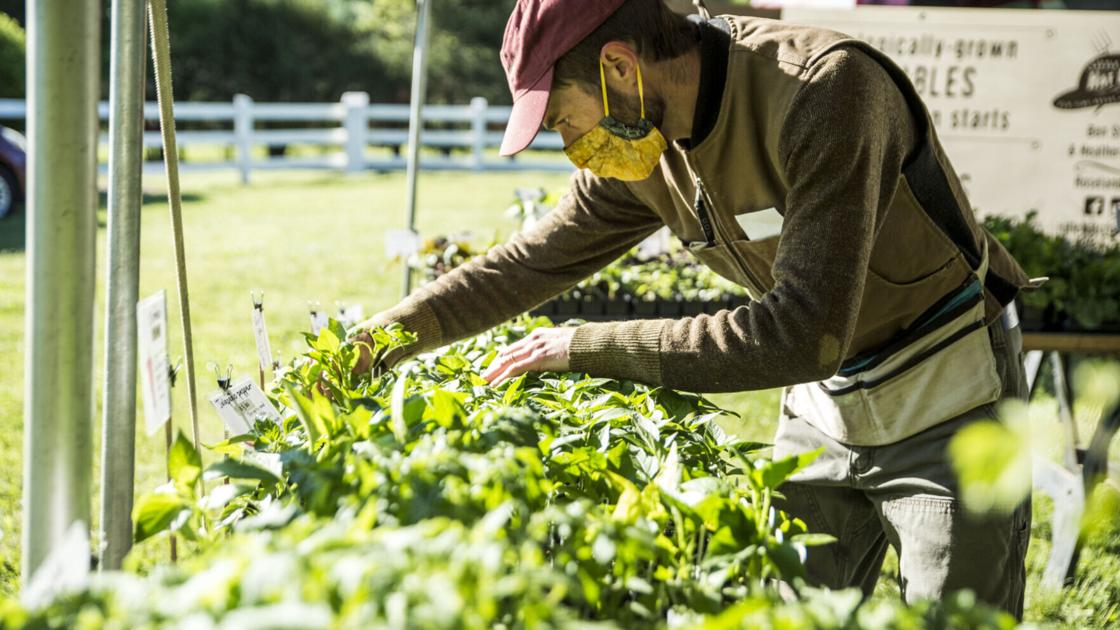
[{"x": 13, "y": 169}]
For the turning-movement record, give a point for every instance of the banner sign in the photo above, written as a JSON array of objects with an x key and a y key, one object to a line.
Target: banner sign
[{"x": 1026, "y": 102}]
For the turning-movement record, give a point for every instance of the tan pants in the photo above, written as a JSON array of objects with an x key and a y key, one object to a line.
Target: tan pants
[{"x": 905, "y": 495}]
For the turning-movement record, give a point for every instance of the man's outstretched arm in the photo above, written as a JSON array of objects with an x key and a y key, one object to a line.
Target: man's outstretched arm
[
  {"x": 595, "y": 223},
  {"x": 848, "y": 133}
]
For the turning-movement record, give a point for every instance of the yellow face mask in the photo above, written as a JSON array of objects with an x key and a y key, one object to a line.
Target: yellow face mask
[{"x": 616, "y": 149}]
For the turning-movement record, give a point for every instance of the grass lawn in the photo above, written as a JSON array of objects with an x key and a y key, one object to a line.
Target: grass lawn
[{"x": 310, "y": 236}]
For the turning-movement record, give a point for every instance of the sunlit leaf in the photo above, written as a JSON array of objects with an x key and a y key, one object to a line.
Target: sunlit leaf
[
  {"x": 155, "y": 512},
  {"x": 184, "y": 464},
  {"x": 993, "y": 464}
]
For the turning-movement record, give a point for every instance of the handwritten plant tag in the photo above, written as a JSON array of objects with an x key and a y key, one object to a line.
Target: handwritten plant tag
[{"x": 242, "y": 405}]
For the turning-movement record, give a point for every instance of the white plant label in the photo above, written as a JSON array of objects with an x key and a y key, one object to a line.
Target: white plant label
[
  {"x": 319, "y": 321},
  {"x": 350, "y": 315},
  {"x": 260, "y": 332},
  {"x": 402, "y": 243},
  {"x": 155, "y": 380},
  {"x": 242, "y": 405}
]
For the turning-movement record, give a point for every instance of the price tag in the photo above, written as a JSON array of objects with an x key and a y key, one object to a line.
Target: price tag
[
  {"x": 242, "y": 405},
  {"x": 260, "y": 332},
  {"x": 402, "y": 243},
  {"x": 155, "y": 380}
]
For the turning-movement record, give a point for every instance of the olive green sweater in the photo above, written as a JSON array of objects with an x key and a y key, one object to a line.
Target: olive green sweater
[{"x": 842, "y": 144}]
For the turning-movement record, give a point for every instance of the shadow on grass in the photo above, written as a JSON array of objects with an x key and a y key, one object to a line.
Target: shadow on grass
[
  {"x": 149, "y": 199},
  {"x": 13, "y": 230}
]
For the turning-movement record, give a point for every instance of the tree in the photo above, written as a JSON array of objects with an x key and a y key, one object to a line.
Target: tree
[
  {"x": 12, "y": 58},
  {"x": 463, "y": 59},
  {"x": 272, "y": 50}
]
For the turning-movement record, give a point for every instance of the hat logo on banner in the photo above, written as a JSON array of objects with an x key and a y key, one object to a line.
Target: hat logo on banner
[{"x": 1099, "y": 84}]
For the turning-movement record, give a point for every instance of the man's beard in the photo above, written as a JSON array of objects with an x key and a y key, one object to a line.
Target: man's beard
[{"x": 628, "y": 109}]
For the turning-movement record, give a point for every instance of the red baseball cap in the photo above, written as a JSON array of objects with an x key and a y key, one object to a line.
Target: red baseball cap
[{"x": 538, "y": 33}]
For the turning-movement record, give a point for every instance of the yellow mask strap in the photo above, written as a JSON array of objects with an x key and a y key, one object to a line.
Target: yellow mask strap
[
  {"x": 641, "y": 92},
  {"x": 603, "y": 85}
]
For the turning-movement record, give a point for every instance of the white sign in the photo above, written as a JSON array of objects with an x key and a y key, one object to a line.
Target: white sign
[
  {"x": 242, "y": 405},
  {"x": 1026, "y": 102},
  {"x": 155, "y": 378},
  {"x": 260, "y": 333},
  {"x": 402, "y": 243}
]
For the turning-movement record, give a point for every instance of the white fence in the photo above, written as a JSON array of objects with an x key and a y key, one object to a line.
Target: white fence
[{"x": 352, "y": 125}]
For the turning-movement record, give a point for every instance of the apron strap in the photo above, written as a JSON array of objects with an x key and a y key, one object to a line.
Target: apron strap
[{"x": 702, "y": 9}]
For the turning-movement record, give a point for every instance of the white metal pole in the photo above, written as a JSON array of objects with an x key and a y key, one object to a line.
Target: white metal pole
[
  {"x": 126, "y": 133},
  {"x": 415, "y": 118},
  {"x": 63, "y": 60}
]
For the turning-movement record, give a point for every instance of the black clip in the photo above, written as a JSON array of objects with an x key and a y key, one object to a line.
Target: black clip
[
  {"x": 258, "y": 300},
  {"x": 224, "y": 380},
  {"x": 701, "y": 208},
  {"x": 173, "y": 372}
]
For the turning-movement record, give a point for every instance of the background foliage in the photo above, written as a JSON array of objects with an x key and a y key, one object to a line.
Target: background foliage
[
  {"x": 12, "y": 45},
  {"x": 310, "y": 50}
]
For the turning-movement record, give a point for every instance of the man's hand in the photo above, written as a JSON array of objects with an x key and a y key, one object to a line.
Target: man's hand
[
  {"x": 364, "y": 343},
  {"x": 544, "y": 350},
  {"x": 360, "y": 336}
]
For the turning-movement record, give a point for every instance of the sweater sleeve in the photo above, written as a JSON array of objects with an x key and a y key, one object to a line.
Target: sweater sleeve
[
  {"x": 842, "y": 146},
  {"x": 595, "y": 223}
]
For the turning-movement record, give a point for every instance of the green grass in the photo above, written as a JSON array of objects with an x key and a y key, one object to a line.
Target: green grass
[
  {"x": 298, "y": 236},
  {"x": 309, "y": 236}
]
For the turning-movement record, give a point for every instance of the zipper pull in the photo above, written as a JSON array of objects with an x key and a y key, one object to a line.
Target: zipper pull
[{"x": 702, "y": 213}]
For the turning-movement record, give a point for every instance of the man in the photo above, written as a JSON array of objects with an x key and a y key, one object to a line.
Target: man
[{"x": 879, "y": 303}]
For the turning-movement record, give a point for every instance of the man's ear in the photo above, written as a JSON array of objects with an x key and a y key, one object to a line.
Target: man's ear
[{"x": 620, "y": 66}]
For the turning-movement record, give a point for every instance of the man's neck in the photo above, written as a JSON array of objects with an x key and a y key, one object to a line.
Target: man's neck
[{"x": 678, "y": 83}]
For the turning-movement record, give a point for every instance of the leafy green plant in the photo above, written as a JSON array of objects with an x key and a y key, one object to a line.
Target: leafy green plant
[
  {"x": 672, "y": 276},
  {"x": 598, "y": 500},
  {"x": 1084, "y": 276},
  {"x": 422, "y": 497},
  {"x": 441, "y": 254}
]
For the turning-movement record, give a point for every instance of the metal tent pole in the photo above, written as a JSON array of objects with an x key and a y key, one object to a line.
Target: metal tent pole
[
  {"x": 126, "y": 131},
  {"x": 415, "y": 118},
  {"x": 62, "y": 89}
]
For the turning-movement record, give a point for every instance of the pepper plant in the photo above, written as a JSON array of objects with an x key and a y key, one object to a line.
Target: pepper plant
[{"x": 423, "y": 497}]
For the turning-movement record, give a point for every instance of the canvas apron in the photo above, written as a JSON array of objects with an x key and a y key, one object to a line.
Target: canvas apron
[{"x": 943, "y": 368}]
